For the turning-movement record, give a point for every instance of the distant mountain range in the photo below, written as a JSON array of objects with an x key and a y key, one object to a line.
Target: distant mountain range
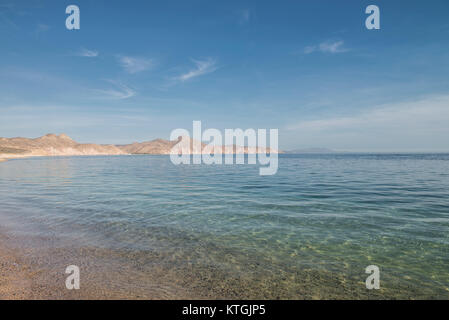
[
  {"x": 63, "y": 145},
  {"x": 51, "y": 145}
]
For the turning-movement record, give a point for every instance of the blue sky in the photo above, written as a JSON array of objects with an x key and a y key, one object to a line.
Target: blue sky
[{"x": 136, "y": 70}]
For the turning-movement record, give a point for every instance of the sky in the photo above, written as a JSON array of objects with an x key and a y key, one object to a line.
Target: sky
[{"x": 136, "y": 70}]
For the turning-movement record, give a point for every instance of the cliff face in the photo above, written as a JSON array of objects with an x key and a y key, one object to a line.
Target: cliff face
[{"x": 52, "y": 145}]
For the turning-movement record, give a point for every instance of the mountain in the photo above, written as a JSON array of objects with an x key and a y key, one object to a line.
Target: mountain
[
  {"x": 63, "y": 145},
  {"x": 160, "y": 146},
  {"x": 52, "y": 145}
]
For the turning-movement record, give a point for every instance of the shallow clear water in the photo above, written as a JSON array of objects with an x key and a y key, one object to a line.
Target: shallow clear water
[{"x": 307, "y": 232}]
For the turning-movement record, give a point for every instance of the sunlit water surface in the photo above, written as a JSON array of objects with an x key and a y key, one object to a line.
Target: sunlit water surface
[{"x": 226, "y": 232}]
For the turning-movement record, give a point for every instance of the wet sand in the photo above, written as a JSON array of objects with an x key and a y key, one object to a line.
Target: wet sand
[
  {"x": 119, "y": 275},
  {"x": 35, "y": 269},
  {"x": 22, "y": 277},
  {"x": 15, "y": 277}
]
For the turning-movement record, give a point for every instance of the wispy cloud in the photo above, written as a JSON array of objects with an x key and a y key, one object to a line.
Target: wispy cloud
[
  {"x": 88, "y": 53},
  {"x": 135, "y": 64},
  {"x": 120, "y": 91},
  {"x": 327, "y": 47},
  {"x": 418, "y": 124},
  {"x": 202, "y": 67}
]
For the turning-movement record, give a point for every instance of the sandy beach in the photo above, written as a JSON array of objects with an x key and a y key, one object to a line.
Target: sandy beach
[
  {"x": 6, "y": 157},
  {"x": 38, "y": 274},
  {"x": 15, "y": 277},
  {"x": 26, "y": 276},
  {"x": 33, "y": 268}
]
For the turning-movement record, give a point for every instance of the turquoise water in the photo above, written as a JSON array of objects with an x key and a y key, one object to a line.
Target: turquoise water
[{"x": 225, "y": 232}]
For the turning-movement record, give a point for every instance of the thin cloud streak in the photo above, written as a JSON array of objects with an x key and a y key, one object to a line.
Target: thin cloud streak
[
  {"x": 88, "y": 53},
  {"x": 202, "y": 67},
  {"x": 327, "y": 47},
  {"x": 418, "y": 124},
  {"x": 134, "y": 65},
  {"x": 120, "y": 92}
]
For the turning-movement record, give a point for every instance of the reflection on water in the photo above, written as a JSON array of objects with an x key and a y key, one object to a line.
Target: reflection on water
[{"x": 225, "y": 231}]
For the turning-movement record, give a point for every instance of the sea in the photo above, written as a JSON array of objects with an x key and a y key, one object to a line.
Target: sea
[{"x": 139, "y": 226}]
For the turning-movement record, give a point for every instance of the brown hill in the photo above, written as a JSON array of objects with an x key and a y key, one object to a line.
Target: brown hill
[
  {"x": 62, "y": 145},
  {"x": 52, "y": 145},
  {"x": 158, "y": 146},
  {"x": 161, "y": 146}
]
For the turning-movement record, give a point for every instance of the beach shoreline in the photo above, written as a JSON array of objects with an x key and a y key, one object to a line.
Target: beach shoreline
[{"x": 6, "y": 158}]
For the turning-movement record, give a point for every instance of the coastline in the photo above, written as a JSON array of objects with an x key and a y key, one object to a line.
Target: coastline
[{"x": 4, "y": 158}]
